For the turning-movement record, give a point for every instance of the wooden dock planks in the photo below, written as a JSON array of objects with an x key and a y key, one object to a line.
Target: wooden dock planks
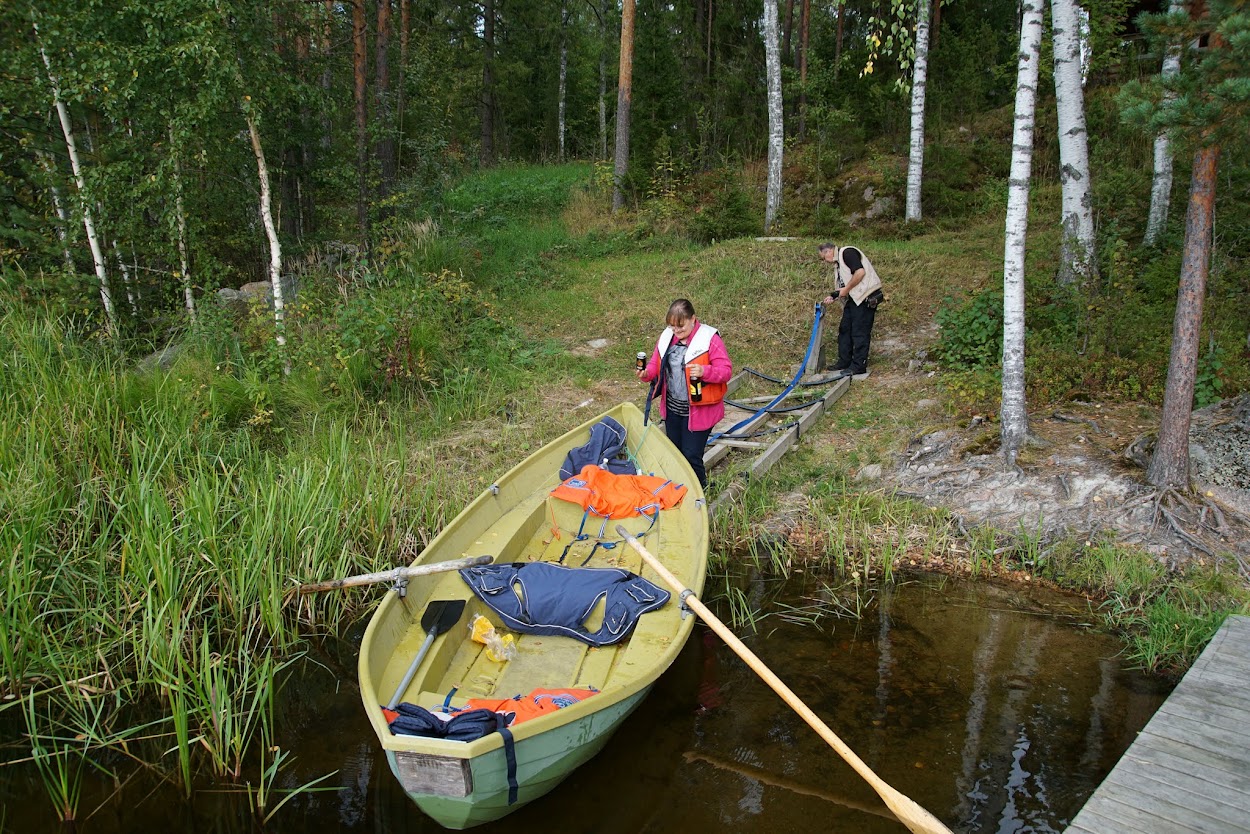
[{"x": 1189, "y": 769}]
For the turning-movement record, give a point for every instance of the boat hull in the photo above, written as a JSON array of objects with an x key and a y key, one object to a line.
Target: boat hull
[
  {"x": 464, "y": 783},
  {"x": 543, "y": 762}
]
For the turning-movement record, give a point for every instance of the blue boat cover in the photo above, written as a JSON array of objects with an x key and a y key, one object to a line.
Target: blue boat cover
[
  {"x": 607, "y": 439},
  {"x": 543, "y": 598}
]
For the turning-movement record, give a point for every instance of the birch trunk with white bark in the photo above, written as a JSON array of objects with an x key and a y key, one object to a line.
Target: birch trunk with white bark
[
  {"x": 127, "y": 281},
  {"x": 62, "y": 230},
  {"x": 1077, "y": 261},
  {"x": 93, "y": 240},
  {"x": 919, "y": 81},
  {"x": 1161, "y": 184},
  {"x": 776, "y": 126},
  {"x": 1014, "y": 413},
  {"x": 275, "y": 246},
  {"x": 180, "y": 220}
]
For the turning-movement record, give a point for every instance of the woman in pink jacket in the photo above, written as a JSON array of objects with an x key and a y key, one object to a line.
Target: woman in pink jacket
[{"x": 693, "y": 367}]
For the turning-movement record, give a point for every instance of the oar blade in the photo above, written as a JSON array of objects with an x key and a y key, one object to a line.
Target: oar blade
[
  {"x": 441, "y": 614},
  {"x": 910, "y": 813}
]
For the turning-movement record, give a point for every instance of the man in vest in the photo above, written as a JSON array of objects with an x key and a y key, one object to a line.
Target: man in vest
[{"x": 857, "y": 288}]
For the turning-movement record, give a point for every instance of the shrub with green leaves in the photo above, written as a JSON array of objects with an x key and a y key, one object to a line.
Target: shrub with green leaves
[
  {"x": 727, "y": 213},
  {"x": 971, "y": 330}
]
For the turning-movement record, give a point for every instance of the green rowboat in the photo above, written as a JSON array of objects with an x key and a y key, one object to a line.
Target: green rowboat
[{"x": 462, "y": 784}]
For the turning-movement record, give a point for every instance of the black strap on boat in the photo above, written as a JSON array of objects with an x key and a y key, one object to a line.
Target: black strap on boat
[{"x": 509, "y": 752}]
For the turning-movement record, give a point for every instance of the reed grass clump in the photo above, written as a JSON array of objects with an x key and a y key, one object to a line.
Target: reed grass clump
[{"x": 151, "y": 532}]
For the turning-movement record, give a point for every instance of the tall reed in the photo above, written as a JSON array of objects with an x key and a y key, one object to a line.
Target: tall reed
[{"x": 153, "y": 526}]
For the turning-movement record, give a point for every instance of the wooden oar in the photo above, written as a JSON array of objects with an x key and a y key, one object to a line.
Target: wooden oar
[
  {"x": 909, "y": 812},
  {"x": 393, "y": 575},
  {"x": 440, "y": 615}
]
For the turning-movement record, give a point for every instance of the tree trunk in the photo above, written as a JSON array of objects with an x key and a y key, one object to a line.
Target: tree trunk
[
  {"x": 564, "y": 71},
  {"x": 787, "y": 28},
  {"x": 327, "y": 76},
  {"x": 624, "y": 99},
  {"x": 1161, "y": 185},
  {"x": 275, "y": 246},
  {"x": 919, "y": 83},
  {"x": 180, "y": 225},
  {"x": 1014, "y": 414},
  {"x": 127, "y": 281},
  {"x": 803, "y": 40},
  {"x": 776, "y": 125},
  {"x": 837, "y": 43},
  {"x": 360, "y": 62},
  {"x": 405, "y": 32},
  {"x": 1077, "y": 259},
  {"x": 62, "y": 229},
  {"x": 935, "y": 25},
  {"x": 603, "y": 80},
  {"x": 382, "y": 94},
  {"x": 93, "y": 240},
  {"x": 488, "y": 84},
  {"x": 708, "y": 71},
  {"x": 304, "y": 207},
  {"x": 1170, "y": 465}
]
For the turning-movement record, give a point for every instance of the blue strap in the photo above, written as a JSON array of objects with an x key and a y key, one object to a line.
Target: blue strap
[
  {"x": 447, "y": 700},
  {"x": 509, "y": 752},
  {"x": 580, "y": 537}
]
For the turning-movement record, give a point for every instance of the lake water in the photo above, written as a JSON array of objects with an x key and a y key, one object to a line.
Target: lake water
[{"x": 999, "y": 710}]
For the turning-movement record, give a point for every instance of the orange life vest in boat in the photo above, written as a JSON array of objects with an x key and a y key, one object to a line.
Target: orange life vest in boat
[
  {"x": 538, "y": 702},
  {"x": 609, "y": 495}
]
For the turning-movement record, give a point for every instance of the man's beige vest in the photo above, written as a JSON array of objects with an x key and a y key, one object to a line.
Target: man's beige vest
[{"x": 870, "y": 283}]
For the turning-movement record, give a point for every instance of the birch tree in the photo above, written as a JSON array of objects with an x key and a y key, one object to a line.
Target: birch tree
[
  {"x": 1014, "y": 413},
  {"x": 271, "y": 234},
  {"x": 180, "y": 232},
  {"x": 1077, "y": 261},
  {"x": 919, "y": 81},
  {"x": 776, "y": 127},
  {"x": 84, "y": 204},
  {"x": 1161, "y": 183},
  {"x": 624, "y": 98}
]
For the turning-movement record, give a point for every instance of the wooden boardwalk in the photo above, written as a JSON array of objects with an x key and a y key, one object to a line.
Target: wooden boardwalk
[{"x": 1189, "y": 769}]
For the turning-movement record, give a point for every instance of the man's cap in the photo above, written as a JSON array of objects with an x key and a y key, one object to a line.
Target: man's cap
[{"x": 826, "y": 245}]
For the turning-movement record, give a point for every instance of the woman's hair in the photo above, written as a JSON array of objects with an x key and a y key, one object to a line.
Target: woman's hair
[{"x": 679, "y": 311}]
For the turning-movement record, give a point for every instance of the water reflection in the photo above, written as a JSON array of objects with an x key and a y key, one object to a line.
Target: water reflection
[{"x": 982, "y": 704}]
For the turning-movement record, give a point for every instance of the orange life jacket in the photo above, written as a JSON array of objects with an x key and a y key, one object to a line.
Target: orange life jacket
[
  {"x": 609, "y": 495},
  {"x": 538, "y": 702}
]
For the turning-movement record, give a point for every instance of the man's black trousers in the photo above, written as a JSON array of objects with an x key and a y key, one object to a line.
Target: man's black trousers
[{"x": 854, "y": 334}]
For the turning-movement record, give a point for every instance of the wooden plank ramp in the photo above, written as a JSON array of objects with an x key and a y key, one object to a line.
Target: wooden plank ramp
[
  {"x": 769, "y": 435},
  {"x": 1189, "y": 769}
]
